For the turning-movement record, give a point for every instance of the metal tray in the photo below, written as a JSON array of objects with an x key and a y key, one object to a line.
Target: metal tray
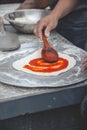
[{"x": 9, "y": 75}]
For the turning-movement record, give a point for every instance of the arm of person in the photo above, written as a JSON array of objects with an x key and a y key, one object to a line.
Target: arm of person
[
  {"x": 39, "y": 4},
  {"x": 62, "y": 8}
]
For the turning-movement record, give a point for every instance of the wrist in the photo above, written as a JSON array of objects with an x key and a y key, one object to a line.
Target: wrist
[{"x": 55, "y": 14}]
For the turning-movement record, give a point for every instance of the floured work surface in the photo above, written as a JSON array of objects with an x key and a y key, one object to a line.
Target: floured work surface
[{"x": 11, "y": 76}]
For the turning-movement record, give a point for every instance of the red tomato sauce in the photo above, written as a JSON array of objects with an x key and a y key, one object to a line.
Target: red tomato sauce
[{"x": 39, "y": 65}]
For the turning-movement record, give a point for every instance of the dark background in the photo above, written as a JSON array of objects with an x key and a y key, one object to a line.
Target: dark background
[{"x": 10, "y": 1}]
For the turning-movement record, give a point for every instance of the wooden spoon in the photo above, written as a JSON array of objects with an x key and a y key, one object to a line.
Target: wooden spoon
[{"x": 49, "y": 54}]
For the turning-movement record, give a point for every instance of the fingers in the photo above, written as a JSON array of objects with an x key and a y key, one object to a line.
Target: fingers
[
  {"x": 26, "y": 5},
  {"x": 48, "y": 22},
  {"x": 84, "y": 66},
  {"x": 84, "y": 63},
  {"x": 48, "y": 29},
  {"x": 39, "y": 27}
]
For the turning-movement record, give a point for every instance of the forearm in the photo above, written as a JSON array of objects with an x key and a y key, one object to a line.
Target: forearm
[
  {"x": 42, "y": 3},
  {"x": 39, "y": 4},
  {"x": 64, "y": 7}
]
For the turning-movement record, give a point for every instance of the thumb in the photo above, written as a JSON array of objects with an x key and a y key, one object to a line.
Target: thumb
[
  {"x": 47, "y": 30},
  {"x": 47, "y": 34}
]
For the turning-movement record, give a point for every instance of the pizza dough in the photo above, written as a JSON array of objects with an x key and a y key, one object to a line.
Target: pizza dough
[{"x": 18, "y": 65}]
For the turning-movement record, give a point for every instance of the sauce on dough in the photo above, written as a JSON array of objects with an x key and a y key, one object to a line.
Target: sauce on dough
[
  {"x": 39, "y": 65},
  {"x": 34, "y": 64}
]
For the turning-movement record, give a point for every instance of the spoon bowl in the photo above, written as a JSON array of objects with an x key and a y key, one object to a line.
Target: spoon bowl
[{"x": 49, "y": 54}]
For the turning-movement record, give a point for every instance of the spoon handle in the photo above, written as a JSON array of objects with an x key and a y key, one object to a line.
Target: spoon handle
[{"x": 46, "y": 44}]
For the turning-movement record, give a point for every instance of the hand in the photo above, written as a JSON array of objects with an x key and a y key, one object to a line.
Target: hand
[
  {"x": 40, "y": 4},
  {"x": 84, "y": 63},
  {"x": 27, "y": 4},
  {"x": 49, "y": 22}
]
